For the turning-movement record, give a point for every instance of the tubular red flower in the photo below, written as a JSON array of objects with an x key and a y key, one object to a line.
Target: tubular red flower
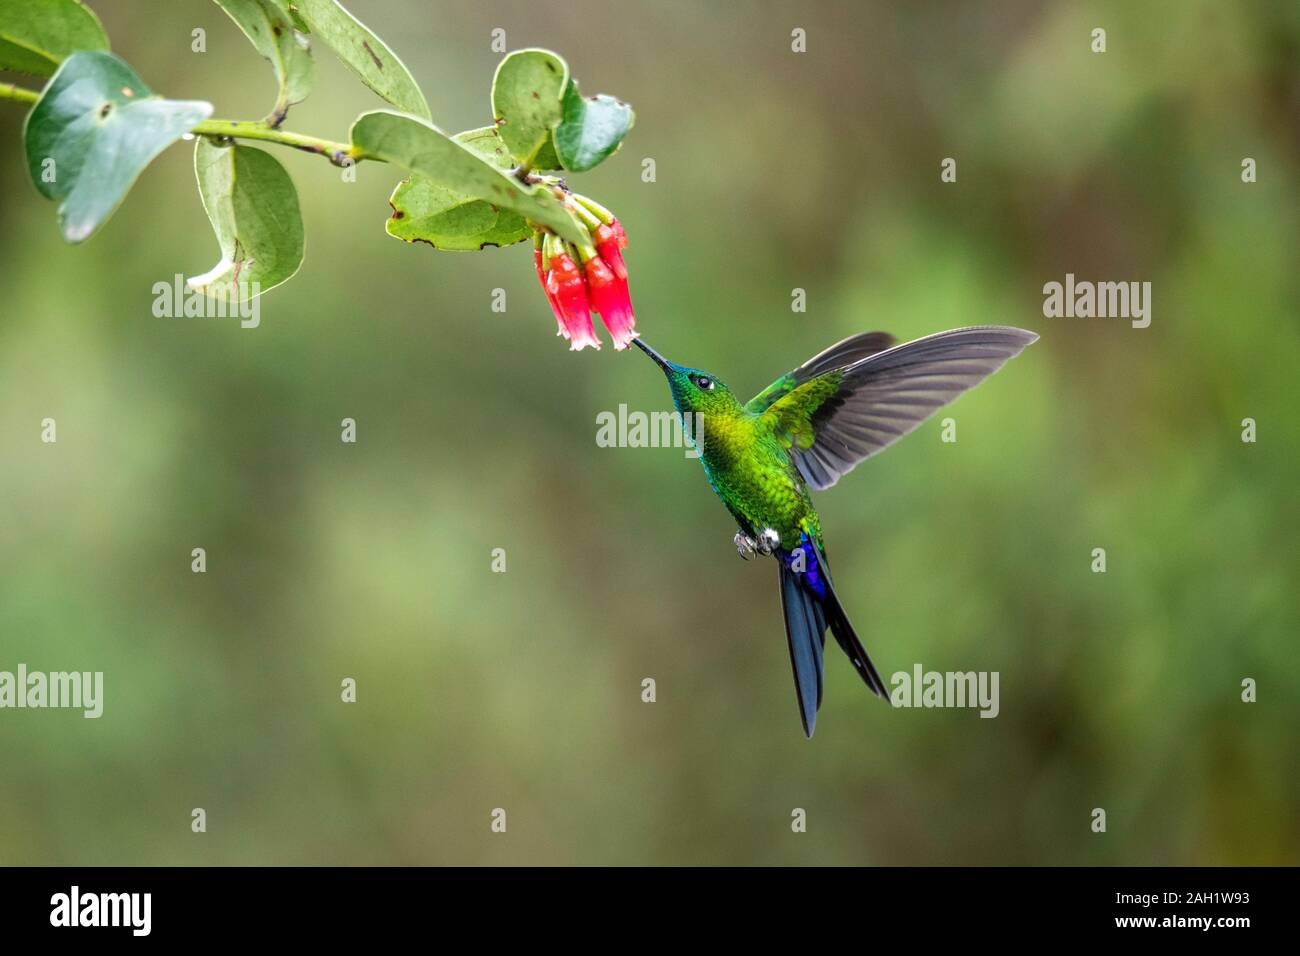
[
  {"x": 619, "y": 234},
  {"x": 610, "y": 297},
  {"x": 609, "y": 240},
  {"x": 554, "y": 303},
  {"x": 564, "y": 282}
]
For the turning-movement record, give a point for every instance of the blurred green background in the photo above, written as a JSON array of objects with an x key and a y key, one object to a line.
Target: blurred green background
[{"x": 476, "y": 430}]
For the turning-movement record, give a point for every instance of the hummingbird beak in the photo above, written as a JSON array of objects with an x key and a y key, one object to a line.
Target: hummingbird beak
[{"x": 659, "y": 360}]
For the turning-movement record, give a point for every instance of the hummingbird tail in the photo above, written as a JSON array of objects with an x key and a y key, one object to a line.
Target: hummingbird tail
[
  {"x": 811, "y": 606},
  {"x": 805, "y": 629},
  {"x": 851, "y": 645}
]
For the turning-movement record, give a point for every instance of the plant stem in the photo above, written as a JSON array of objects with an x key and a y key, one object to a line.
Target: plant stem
[
  {"x": 21, "y": 94},
  {"x": 340, "y": 154}
]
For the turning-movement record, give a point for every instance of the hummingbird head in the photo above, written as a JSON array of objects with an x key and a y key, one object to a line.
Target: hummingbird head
[{"x": 694, "y": 390}]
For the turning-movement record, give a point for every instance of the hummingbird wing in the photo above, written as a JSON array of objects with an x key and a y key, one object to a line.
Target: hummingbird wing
[
  {"x": 840, "y": 417},
  {"x": 853, "y": 349}
]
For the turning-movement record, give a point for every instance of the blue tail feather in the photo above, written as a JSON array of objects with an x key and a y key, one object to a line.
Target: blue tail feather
[{"x": 811, "y": 606}]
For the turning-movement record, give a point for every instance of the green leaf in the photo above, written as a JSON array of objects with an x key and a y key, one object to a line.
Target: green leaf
[
  {"x": 423, "y": 211},
  {"x": 270, "y": 29},
  {"x": 427, "y": 211},
  {"x": 526, "y": 101},
  {"x": 37, "y": 35},
  {"x": 253, "y": 208},
  {"x": 299, "y": 23},
  {"x": 419, "y": 147},
  {"x": 546, "y": 158},
  {"x": 363, "y": 53},
  {"x": 592, "y": 129},
  {"x": 93, "y": 131}
]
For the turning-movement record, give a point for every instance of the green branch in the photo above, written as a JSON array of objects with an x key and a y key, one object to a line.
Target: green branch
[
  {"x": 18, "y": 93},
  {"x": 340, "y": 154}
]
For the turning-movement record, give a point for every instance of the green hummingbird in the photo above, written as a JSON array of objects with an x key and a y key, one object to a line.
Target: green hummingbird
[{"x": 808, "y": 429}]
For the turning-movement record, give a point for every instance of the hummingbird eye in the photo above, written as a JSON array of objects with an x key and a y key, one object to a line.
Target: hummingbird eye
[{"x": 702, "y": 382}]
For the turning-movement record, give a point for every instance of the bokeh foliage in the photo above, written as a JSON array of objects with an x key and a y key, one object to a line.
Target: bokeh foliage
[{"x": 521, "y": 690}]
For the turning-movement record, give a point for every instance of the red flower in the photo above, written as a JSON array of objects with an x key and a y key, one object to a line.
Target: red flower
[
  {"x": 610, "y": 297},
  {"x": 583, "y": 277},
  {"x": 564, "y": 283},
  {"x": 610, "y": 240},
  {"x": 555, "y": 305}
]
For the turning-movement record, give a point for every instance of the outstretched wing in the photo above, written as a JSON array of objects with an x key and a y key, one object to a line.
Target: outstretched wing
[
  {"x": 837, "y": 418},
  {"x": 853, "y": 349}
]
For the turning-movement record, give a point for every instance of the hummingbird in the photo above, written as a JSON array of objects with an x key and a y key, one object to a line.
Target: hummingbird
[{"x": 808, "y": 429}]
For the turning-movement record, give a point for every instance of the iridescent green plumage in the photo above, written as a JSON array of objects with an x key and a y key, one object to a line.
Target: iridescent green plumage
[
  {"x": 746, "y": 455},
  {"x": 806, "y": 430}
]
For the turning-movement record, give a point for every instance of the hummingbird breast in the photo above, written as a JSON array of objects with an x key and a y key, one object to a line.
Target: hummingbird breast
[{"x": 755, "y": 479}]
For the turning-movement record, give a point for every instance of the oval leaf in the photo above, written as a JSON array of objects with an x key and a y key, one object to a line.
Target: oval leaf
[
  {"x": 526, "y": 101},
  {"x": 363, "y": 53},
  {"x": 423, "y": 211},
  {"x": 426, "y": 211},
  {"x": 270, "y": 29},
  {"x": 253, "y": 208},
  {"x": 35, "y": 37},
  {"x": 593, "y": 127},
  {"x": 420, "y": 148},
  {"x": 93, "y": 131},
  {"x": 546, "y": 158}
]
